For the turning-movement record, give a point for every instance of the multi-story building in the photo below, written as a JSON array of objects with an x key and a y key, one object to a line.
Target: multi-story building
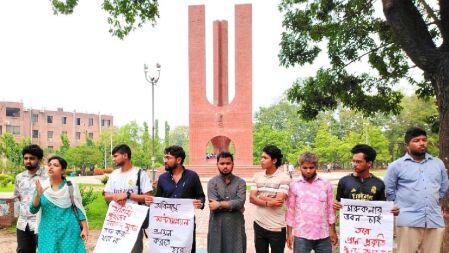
[{"x": 45, "y": 127}]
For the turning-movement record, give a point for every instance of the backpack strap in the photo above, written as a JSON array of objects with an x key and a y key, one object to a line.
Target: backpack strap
[
  {"x": 74, "y": 209},
  {"x": 139, "y": 191}
]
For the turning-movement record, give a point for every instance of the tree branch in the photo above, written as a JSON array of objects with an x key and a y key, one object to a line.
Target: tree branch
[
  {"x": 411, "y": 32},
  {"x": 431, "y": 14},
  {"x": 361, "y": 56},
  {"x": 444, "y": 15}
]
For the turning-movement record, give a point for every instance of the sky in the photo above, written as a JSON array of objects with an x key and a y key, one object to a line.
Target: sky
[{"x": 49, "y": 61}]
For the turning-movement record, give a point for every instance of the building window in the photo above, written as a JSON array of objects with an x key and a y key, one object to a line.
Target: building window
[
  {"x": 91, "y": 135},
  {"x": 34, "y": 118},
  {"x": 106, "y": 122},
  {"x": 91, "y": 121},
  {"x": 78, "y": 135},
  {"x": 64, "y": 120},
  {"x": 12, "y": 112},
  {"x": 13, "y": 129},
  {"x": 50, "y": 135},
  {"x": 78, "y": 121},
  {"x": 35, "y": 134},
  {"x": 50, "y": 148},
  {"x": 49, "y": 119}
]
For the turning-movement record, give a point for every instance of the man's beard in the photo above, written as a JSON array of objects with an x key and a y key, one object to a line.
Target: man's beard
[
  {"x": 308, "y": 178},
  {"x": 31, "y": 167},
  {"x": 225, "y": 173},
  {"x": 170, "y": 168},
  {"x": 419, "y": 153}
]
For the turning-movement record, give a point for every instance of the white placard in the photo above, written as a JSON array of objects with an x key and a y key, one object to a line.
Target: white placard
[
  {"x": 120, "y": 228},
  {"x": 366, "y": 226},
  {"x": 171, "y": 225}
]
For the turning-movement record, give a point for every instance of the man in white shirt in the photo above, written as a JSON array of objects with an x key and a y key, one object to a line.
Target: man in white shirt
[{"x": 123, "y": 185}]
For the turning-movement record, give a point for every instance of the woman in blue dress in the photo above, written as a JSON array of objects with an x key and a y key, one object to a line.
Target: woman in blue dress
[{"x": 59, "y": 230}]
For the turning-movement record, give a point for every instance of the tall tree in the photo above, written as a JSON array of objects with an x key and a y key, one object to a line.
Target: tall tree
[
  {"x": 414, "y": 34},
  {"x": 124, "y": 15}
]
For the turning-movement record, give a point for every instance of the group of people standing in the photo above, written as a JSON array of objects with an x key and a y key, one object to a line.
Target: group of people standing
[{"x": 299, "y": 212}]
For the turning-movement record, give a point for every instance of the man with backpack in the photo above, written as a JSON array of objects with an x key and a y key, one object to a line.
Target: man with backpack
[{"x": 128, "y": 185}]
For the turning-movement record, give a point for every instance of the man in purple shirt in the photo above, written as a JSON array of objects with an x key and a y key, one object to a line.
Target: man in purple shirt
[{"x": 310, "y": 217}]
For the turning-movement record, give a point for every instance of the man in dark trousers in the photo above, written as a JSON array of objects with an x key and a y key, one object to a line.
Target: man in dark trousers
[
  {"x": 24, "y": 187},
  {"x": 179, "y": 182}
]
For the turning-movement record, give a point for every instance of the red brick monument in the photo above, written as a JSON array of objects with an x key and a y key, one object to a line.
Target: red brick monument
[{"x": 223, "y": 121}]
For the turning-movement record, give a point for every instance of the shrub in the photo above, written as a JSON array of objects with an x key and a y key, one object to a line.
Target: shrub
[
  {"x": 99, "y": 171},
  {"x": 87, "y": 195},
  {"x": 6, "y": 179},
  {"x": 108, "y": 170},
  {"x": 104, "y": 179}
]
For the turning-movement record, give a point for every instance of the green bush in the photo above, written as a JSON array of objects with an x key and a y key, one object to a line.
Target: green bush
[
  {"x": 87, "y": 195},
  {"x": 104, "y": 179},
  {"x": 6, "y": 179}
]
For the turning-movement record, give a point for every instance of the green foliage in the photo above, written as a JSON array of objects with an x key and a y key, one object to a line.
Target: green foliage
[
  {"x": 354, "y": 35},
  {"x": 104, "y": 179},
  {"x": 64, "y": 7},
  {"x": 124, "y": 15},
  {"x": 5, "y": 180},
  {"x": 334, "y": 133},
  {"x": 88, "y": 196},
  {"x": 96, "y": 211}
]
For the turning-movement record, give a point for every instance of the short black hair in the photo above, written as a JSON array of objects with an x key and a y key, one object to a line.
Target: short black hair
[
  {"x": 368, "y": 152},
  {"x": 34, "y": 150},
  {"x": 61, "y": 160},
  {"x": 412, "y": 133},
  {"x": 176, "y": 151},
  {"x": 274, "y": 152},
  {"x": 225, "y": 154},
  {"x": 122, "y": 149}
]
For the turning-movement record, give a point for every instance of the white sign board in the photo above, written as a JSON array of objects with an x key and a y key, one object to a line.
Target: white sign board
[
  {"x": 171, "y": 225},
  {"x": 120, "y": 228},
  {"x": 366, "y": 226}
]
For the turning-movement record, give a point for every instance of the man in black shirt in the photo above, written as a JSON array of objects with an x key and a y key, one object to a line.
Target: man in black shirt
[{"x": 361, "y": 184}]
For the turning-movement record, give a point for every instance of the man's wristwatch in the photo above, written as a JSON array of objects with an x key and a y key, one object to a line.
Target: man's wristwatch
[
  {"x": 128, "y": 195},
  {"x": 219, "y": 204}
]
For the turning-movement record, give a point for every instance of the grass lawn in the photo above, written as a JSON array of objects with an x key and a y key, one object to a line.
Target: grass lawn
[
  {"x": 8, "y": 188},
  {"x": 97, "y": 212}
]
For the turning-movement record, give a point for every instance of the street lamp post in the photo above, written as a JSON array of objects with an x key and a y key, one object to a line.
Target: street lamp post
[{"x": 153, "y": 80}]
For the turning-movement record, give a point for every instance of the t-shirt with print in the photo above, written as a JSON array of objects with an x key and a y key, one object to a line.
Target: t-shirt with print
[
  {"x": 271, "y": 218},
  {"x": 122, "y": 182},
  {"x": 352, "y": 187}
]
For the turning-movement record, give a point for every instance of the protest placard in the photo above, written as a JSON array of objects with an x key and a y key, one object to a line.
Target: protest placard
[
  {"x": 171, "y": 225},
  {"x": 366, "y": 226},
  {"x": 120, "y": 228}
]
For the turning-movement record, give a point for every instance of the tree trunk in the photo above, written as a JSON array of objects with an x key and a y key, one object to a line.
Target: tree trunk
[{"x": 441, "y": 83}]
